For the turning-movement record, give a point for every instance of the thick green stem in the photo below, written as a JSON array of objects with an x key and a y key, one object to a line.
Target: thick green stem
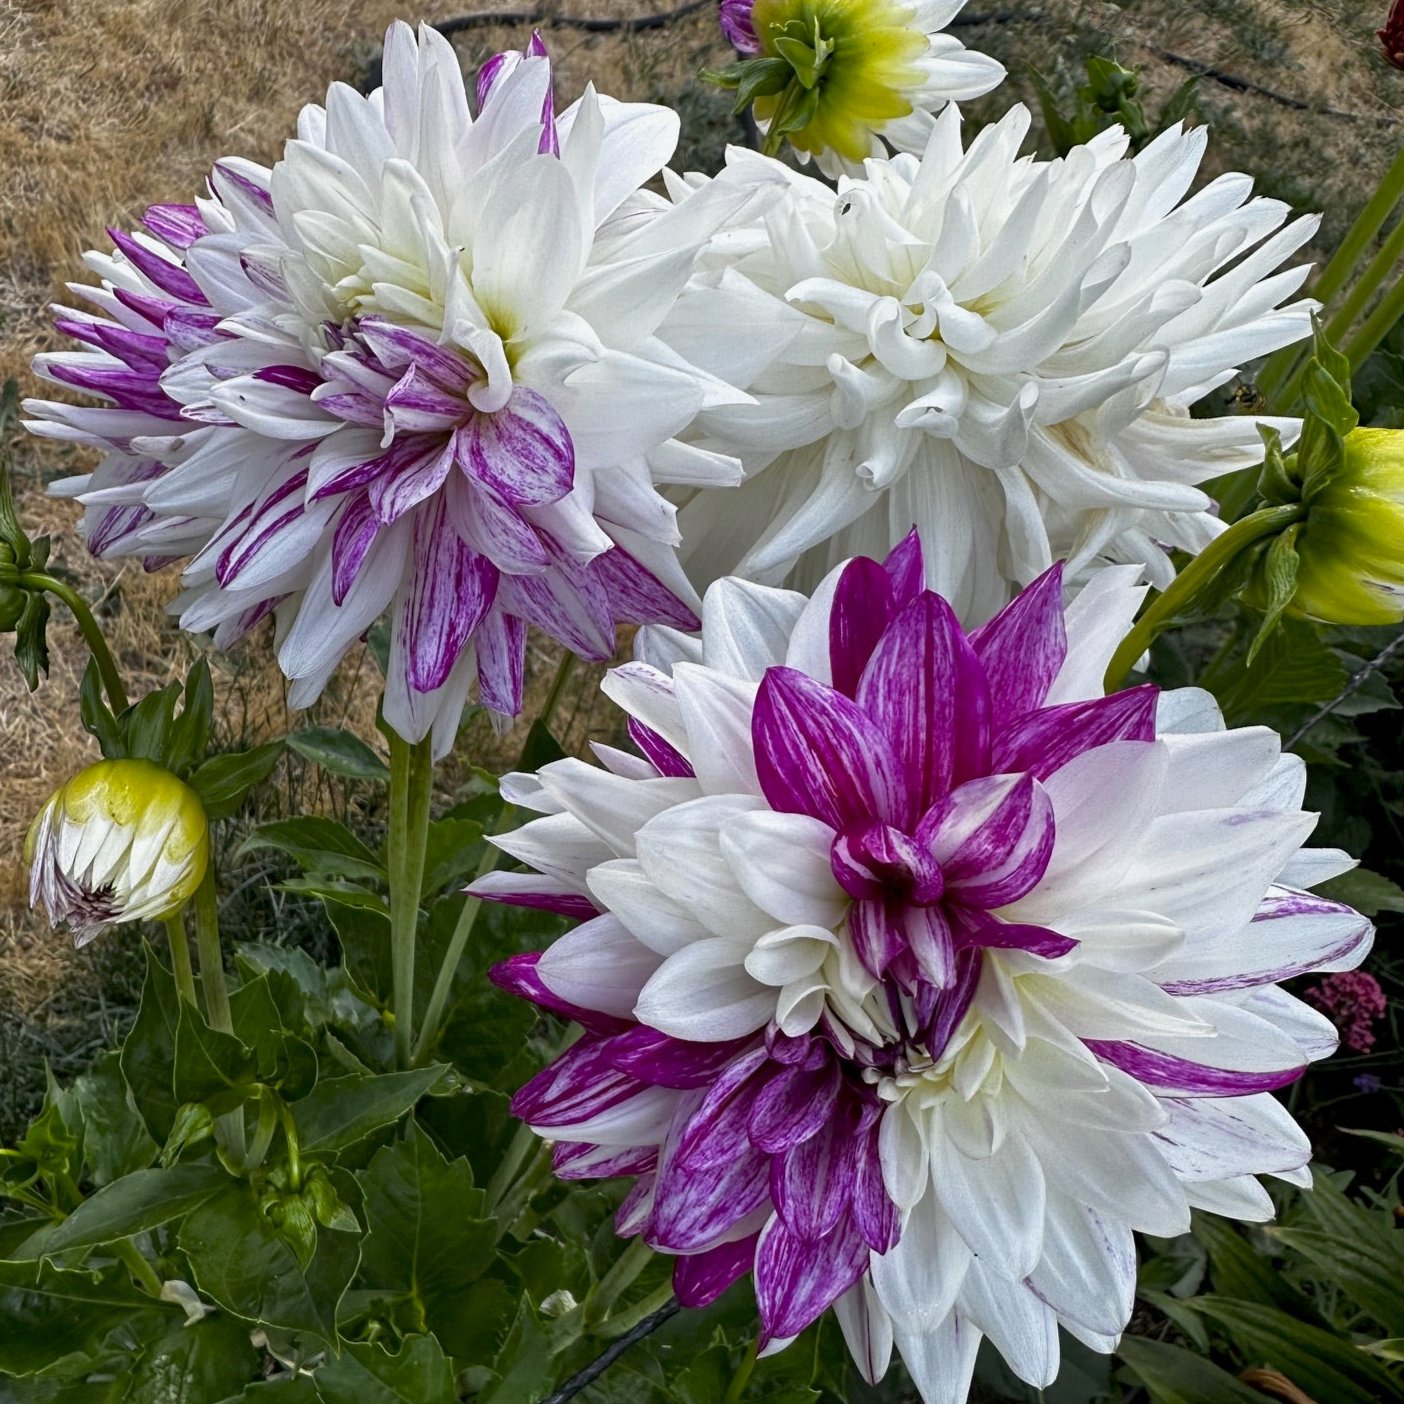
[
  {"x": 216, "y": 992},
  {"x": 1369, "y": 282},
  {"x": 411, "y": 787},
  {"x": 1191, "y": 581},
  {"x": 620, "y": 1277},
  {"x": 742, "y": 1377},
  {"x": 139, "y": 1267},
  {"x": 179, "y": 944},
  {"x": 92, "y": 634},
  {"x": 1376, "y": 326}
]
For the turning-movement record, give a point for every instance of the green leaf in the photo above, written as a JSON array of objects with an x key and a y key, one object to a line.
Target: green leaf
[
  {"x": 295, "y": 1389},
  {"x": 318, "y": 845},
  {"x": 222, "y": 782},
  {"x": 1240, "y": 1272},
  {"x": 1371, "y": 893},
  {"x": 343, "y": 1110},
  {"x": 1318, "y": 1362},
  {"x": 194, "y": 1364},
  {"x": 115, "y": 1139},
  {"x": 210, "y": 1066},
  {"x": 1174, "y": 1375},
  {"x": 51, "y": 1319},
  {"x": 148, "y": 724},
  {"x": 366, "y": 1374},
  {"x": 134, "y": 1204},
  {"x": 364, "y": 933},
  {"x": 428, "y": 1241},
  {"x": 1367, "y": 1266},
  {"x": 283, "y": 1059},
  {"x": 96, "y": 715},
  {"x": 240, "y": 1261},
  {"x": 1294, "y": 666},
  {"x": 148, "y": 1051},
  {"x": 306, "y": 976},
  {"x": 31, "y": 638},
  {"x": 190, "y": 735},
  {"x": 338, "y": 752},
  {"x": 451, "y": 854},
  {"x": 524, "y": 1367}
]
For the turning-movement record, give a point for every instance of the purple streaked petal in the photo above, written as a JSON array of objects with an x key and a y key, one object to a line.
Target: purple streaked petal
[
  {"x": 1044, "y": 741},
  {"x": 694, "y": 1207},
  {"x": 980, "y": 929},
  {"x": 951, "y": 1005},
  {"x": 137, "y": 349},
  {"x": 861, "y": 611},
  {"x": 872, "y": 858},
  {"x": 666, "y": 759},
  {"x": 109, "y": 534},
  {"x": 394, "y": 494},
  {"x": 534, "y": 890},
  {"x": 580, "y": 1084},
  {"x": 488, "y": 75},
  {"x": 632, "y": 1215},
  {"x": 251, "y": 188},
  {"x": 265, "y": 523},
  {"x": 875, "y": 1216},
  {"x": 517, "y": 975},
  {"x": 264, "y": 275},
  {"x": 993, "y": 838},
  {"x": 582, "y": 1160},
  {"x": 718, "y": 1130},
  {"x": 298, "y": 378},
  {"x": 812, "y": 1182},
  {"x": 567, "y": 603},
  {"x": 926, "y": 692},
  {"x": 906, "y": 569},
  {"x": 495, "y": 529},
  {"x": 932, "y": 943},
  {"x": 189, "y": 330},
  {"x": 177, "y": 225},
  {"x": 700, "y": 1278},
  {"x": 661, "y": 1061},
  {"x": 737, "y": 25},
  {"x": 1170, "y": 1073},
  {"x": 355, "y": 407},
  {"x": 876, "y": 930},
  {"x": 451, "y": 590},
  {"x": 153, "y": 309},
  {"x": 399, "y": 347},
  {"x": 636, "y": 595},
  {"x": 501, "y": 646},
  {"x": 796, "y": 1281},
  {"x": 1022, "y": 649},
  {"x": 523, "y": 452},
  {"x": 818, "y": 753},
  {"x": 355, "y": 535},
  {"x": 415, "y": 405},
  {"x": 136, "y": 390},
  {"x": 793, "y": 1106},
  {"x": 169, "y": 277}
]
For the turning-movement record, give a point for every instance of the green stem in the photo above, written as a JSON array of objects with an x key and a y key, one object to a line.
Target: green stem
[
  {"x": 140, "y": 1268},
  {"x": 1193, "y": 579},
  {"x": 92, "y": 634},
  {"x": 522, "y": 1144},
  {"x": 411, "y": 786},
  {"x": 269, "y": 1105},
  {"x": 181, "y": 968},
  {"x": 1376, "y": 326},
  {"x": 294, "y": 1146},
  {"x": 1369, "y": 282},
  {"x": 625, "y": 1322},
  {"x": 216, "y": 992},
  {"x": 620, "y": 1277},
  {"x": 742, "y": 1377}
]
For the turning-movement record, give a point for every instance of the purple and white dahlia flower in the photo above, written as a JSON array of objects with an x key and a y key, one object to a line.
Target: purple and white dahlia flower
[
  {"x": 915, "y": 973},
  {"x": 412, "y": 368},
  {"x": 1000, "y": 349}
]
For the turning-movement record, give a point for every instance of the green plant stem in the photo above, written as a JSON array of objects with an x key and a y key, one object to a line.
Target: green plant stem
[
  {"x": 522, "y": 1144},
  {"x": 1369, "y": 282},
  {"x": 181, "y": 968},
  {"x": 140, "y": 1268},
  {"x": 742, "y": 1377},
  {"x": 411, "y": 787},
  {"x": 92, "y": 634},
  {"x": 620, "y": 1277},
  {"x": 216, "y": 992},
  {"x": 1376, "y": 326},
  {"x": 1191, "y": 581},
  {"x": 626, "y": 1321}
]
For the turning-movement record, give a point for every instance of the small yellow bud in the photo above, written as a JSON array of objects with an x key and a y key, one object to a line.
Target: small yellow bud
[
  {"x": 1351, "y": 547},
  {"x": 122, "y": 841}
]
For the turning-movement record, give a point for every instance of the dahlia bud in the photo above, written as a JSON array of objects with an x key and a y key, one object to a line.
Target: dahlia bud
[
  {"x": 1351, "y": 564},
  {"x": 122, "y": 841},
  {"x": 1392, "y": 35}
]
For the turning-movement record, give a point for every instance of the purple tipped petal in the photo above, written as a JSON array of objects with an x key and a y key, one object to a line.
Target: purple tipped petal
[
  {"x": 132, "y": 390},
  {"x": 449, "y": 594},
  {"x": 797, "y": 1280},
  {"x": 177, "y": 225},
  {"x": 140, "y": 350},
  {"x": 1022, "y": 649},
  {"x": 660, "y": 1061},
  {"x": 793, "y": 1106},
  {"x": 394, "y": 494},
  {"x": 398, "y": 348},
  {"x": 517, "y": 975},
  {"x": 926, "y": 691},
  {"x": 1045, "y": 741},
  {"x": 812, "y": 1182},
  {"x": 951, "y": 1005},
  {"x": 355, "y": 535},
  {"x": 700, "y": 1278},
  {"x": 636, "y": 595},
  {"x": 542, "y": 894},
  {"x": 878, "y": 934},
  {"x": 665, "y": 758},
  {"x": 861, "y": 611},
  {"x": 932, "y": 944},
  {"x": 169, "y": 277},
  {"x": 993, "y": 838},
  {"x": 1169, "y": 1073},
  {"x": 581, "y": 1160},
  {"x": 298, "y": 378},
  {"x": 523, "y": 452},
  {"x": 906, "y": 569},
  {"x": 979, "y": 929},
  {"x": 501, "y": 645},
  {"x": 252, "y": 189},
  {"x": 817, "y": 753},
  {"x": 875, "y": 1216}
]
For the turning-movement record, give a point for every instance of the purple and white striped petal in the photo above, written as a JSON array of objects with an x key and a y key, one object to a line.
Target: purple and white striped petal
[
  {"x": 796, "y": 1280},
  {"x": 1044, "y": 741},
  {"x": 523, "y": 452},
  {"x": 1023, "y": 648},
  {"x": 700, "y": 1278}
]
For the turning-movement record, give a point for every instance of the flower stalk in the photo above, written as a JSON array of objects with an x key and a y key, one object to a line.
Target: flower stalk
[
  {"x": 411, "y": 787},
  {"x": 89, "y": 628},
  {"x": 216, "y": 992},
  {"x": 181, "y": 968}
]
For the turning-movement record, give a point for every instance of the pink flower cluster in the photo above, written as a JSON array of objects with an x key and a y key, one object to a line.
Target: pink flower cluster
[{"x": 1354, "y": 1002}]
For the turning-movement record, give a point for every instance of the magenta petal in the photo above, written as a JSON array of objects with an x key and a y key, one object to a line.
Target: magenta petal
[
  {"x": 694, "y": 1207},
  {"x": 737, "y": 25},
  {"x": 875, "y": 1216},
  {"x": 636, "y": 595},
  {"x": 1022, "y": 649},
  {"x": 818, "y": 753},
  {"x": 876, "y": 929},
  {"x": 1045, "y": 741},
  {"x": 534, "y": 890},
  {"x": 993, "y": 838},
  {"x": 140, "y": 350},
  {"x": 397, "y": 347},
  {"x": 980, "y": 929},
  {"x": 926, "y": 691},
  {"x": 719, "y": 1129},
  {"x": 661, "y": 1061},
  {"x": 355, "y": 534},
  {"x": 932, "y": 944},
  {"x": 582, "y": 1160},
  {"x": 169, "y": 277},
  {"x": 501, "y": 646},
  {"x": 797, "y": 1280},
  {"x": 861, "y": 610},
  {"x": 129, "y": 389},
  {"x": 395, "y": 494},
  {"x": 177, "y": 225},
  {"x": 812, "y": 1182},
  {"x": 523, "y": 452},
  {"x": 906, "y": 569},
  {"x": 493, "y": 529},
  {"x": 567, "y": 603},
  {"x": 793, "y": 1106},
  {"x": 665, "y": 758},
  {"x": 517, "y": 975},
  {"x": 700, "y": 1278},
  {"x": 451, "y": 590},
  {"x": 950, "y": 1006},
  {"x": 298, "y": 378},
  {"x": 1166, "y": 1072},
  {"x": 580, "y": 1084}
]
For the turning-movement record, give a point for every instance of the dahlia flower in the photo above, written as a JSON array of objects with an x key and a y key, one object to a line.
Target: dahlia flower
[
  {"x": 1001, "y": 350},
  {"x": 916, "y": 974},
  {"x": 122, "y": 841},
  {"x": 841, "y": 80},
  {"x": 411, "y": 367}
]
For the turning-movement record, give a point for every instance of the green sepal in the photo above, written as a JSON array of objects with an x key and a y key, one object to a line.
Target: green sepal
[
  {"x": 751, "y": 79},
  {"x": 1329, "y": 417},
  {"x": 1278, "y": 483},
  {"x": 98, "y": 719},
  {"x": 1279, "y": 572},
  {"x": 31, "y": 638},
  {"x": 190, "y": 733},
  {"x": 194, "y": 1125},
  {"x": 148, "y": 724}
]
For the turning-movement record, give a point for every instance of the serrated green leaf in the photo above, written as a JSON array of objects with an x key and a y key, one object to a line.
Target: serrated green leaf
[
  {"x": 211, "y": 1067},
  {"x": 1295, "y": 666},
  {"x": 190, "y": 733},
  {"x": 115, "y": 1139},
  {"x": 523, "y": 1368},
  {"x": 148, "y": 1052},
  {"x": 1173, "y": 1375},
  {"x": 195, "y": 1363},
  {"x": 366, "y": 1374},
  {"x": 343, "y": 1110},
  {"x": 339, "y": 752},
  {"x": 136, "y": 1203}
]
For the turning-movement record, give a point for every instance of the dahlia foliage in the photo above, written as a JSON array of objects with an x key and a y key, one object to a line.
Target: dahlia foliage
[
  {"x": 999, "y": 349},
  {"x": 411, "y": 368},
  {"x": 918, "y": 974}
]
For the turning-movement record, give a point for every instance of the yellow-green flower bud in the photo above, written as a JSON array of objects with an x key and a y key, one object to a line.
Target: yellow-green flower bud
[
  {"x": 122, "y": 841},
  {"x": 1351, "y": 547}
]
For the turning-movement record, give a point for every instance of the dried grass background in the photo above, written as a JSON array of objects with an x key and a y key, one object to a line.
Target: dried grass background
[{"x": 109, "y": 105}]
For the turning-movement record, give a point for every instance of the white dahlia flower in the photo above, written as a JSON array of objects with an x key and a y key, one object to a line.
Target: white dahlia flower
[
  {"x": 917, "y": 974},
  {"x": 412, "y": 367},
  {"x": 1000, "y": 350}
]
